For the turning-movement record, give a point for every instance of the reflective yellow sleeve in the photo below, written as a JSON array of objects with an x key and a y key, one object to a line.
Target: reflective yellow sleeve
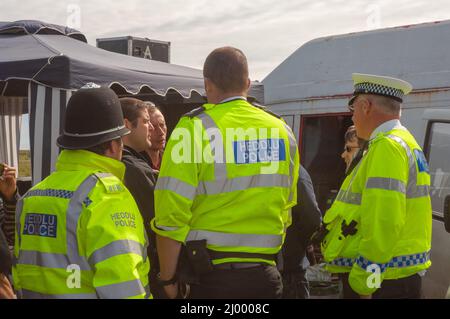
[
  {"x": 296, "y": 173},
  {"x": 383, "y": 210},
  {"x": 116, "y": 247},
  {"x": 177, "y": 182},
  {"x": 292, "y": 201},
  {"x": 296, "y": 170}
]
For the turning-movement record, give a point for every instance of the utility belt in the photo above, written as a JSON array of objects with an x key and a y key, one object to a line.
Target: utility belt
[
  {"x": 196, "y": 260},
  {"x": 233, "y": 254}
]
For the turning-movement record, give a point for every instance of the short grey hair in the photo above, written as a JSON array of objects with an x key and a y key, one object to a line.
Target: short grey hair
[
  {"x": 386, "y": 104},
  {"x": 152, "y": 108}
]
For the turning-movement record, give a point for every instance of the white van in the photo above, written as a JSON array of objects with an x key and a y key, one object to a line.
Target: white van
[{"x": 310, "y": 89}]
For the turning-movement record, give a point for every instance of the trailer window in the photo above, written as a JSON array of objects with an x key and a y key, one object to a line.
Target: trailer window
[
  {"x": 321, "y": 145},
  {"x": 439, "y": 155}
]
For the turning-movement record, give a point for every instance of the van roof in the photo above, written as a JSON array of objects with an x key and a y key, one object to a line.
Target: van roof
[{"x": 322, "y": 67}]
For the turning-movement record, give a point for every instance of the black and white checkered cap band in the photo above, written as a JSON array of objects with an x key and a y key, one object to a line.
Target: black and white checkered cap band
[{"x": 372, "y": 88}]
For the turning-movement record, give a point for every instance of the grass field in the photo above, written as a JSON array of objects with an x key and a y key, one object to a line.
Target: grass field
[{"x": 24, "y": 163}]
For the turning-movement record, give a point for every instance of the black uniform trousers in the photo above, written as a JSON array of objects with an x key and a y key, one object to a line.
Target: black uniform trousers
[
  {"x": 295, "y": 285},
  {"x": 403, "y": 288},
  {"x": 259, "y": 282}
]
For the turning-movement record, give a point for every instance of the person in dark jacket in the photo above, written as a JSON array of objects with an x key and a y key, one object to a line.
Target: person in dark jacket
[
  {"x": 306, "y": 219},
  {"x": 6, "y": 291},
  {"x": 140, "y": 179},
  {"x": 8, "y": 199}
]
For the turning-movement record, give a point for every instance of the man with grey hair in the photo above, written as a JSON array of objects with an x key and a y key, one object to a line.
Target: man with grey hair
[{"x": 379, "y": 227}]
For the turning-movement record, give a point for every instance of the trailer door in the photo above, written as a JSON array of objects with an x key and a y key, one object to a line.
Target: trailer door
[{"x": 321, "y": 143}]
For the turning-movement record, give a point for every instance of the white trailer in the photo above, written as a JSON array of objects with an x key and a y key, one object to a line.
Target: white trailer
[{"x": 310, "y": 89}]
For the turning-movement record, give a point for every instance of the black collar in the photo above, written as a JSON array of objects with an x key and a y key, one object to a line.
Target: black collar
[
  {"x": 235, "y": 99},
  {"x": 131, "y": 151}
]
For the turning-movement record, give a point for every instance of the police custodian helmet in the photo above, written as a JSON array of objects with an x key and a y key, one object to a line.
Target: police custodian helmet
[{"x": 93, "y": 116}]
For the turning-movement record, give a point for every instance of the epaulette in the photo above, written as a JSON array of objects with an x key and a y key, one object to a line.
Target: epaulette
[
  {"x": 195, "y": 112},
  {"x": 262, "y": 107},
  {"x": 111, "y": 183}
]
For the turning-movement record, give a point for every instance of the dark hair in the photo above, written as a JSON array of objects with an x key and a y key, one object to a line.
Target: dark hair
[
  {"x": 227, "y": 68},
  {"x": 132, "y": 108},
  {"x": 100, "y": 149},
  {"x": 350, "y": 134}
]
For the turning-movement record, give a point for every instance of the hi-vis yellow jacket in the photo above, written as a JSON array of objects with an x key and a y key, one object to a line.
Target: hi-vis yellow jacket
[
  {"x": 381, "y": 219},
  {"x": 80, "y": 233},
  {"x": 229, "y": 175}
]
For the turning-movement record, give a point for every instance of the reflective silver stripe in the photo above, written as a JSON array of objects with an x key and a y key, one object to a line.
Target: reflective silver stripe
[
  {"x": 216, "y": 142},
  {"x": 346, "y": 196},
  {"x": 242, "y": 183},
  {"x": 19, "y": 208},
  {"x": 390, "y": 184},
  {"x": 412, "y": 178},
  {"x": 72, "y": 216},
  {"x": 292, "y": 151},
  {"x": 147, "y": 243},
  {"x": 419, "y": 191},
  {"x": 28, "y": 294},
  {"x": 166, "y": 227},
  {"x": 147, "y": 292},
  {"x": 48, "y": 260},
  {"x": 236, "y": 240},
  {"x": 116, "y": 248},
  {"x": 177, "y": 186},
  {"x": 349, "y": 197},
  {"x": 121, "y": 290},
  {"x": 103, "y": 175},
  {"x": 412, "y": 189}
]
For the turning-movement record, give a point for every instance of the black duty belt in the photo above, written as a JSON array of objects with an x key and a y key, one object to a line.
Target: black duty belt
[
  {"x": 233, "y": 254},
  {"x": 230, "y": 266}
]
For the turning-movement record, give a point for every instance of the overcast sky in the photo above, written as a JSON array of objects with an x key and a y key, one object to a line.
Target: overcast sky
[{"x": 268, "y": 31}]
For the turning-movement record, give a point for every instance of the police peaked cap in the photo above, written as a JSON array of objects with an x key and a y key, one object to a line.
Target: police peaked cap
[{"x": 379, "y": 85}]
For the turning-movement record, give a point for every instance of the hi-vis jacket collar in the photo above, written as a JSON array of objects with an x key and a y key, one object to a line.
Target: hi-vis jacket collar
[
  {"x": 209, "y": 106},
  {"x": 387, "y": 127},
  {"x": 85, "y": 160},
  {"x": 379, "y": 85},
  {"x": 237, "y": 97}
]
